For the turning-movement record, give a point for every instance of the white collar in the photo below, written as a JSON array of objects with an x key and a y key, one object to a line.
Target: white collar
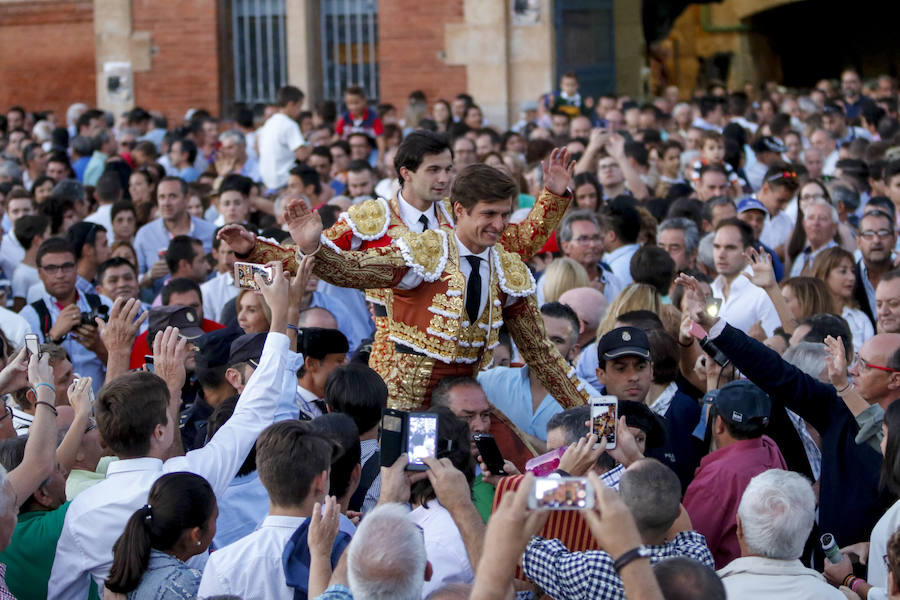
[
  {"x": 410, "y": 214},
  {"x": 463, "y": 251}
]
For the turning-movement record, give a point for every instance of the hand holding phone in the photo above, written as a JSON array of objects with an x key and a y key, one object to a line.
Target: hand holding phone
[
  {"x": 32, "y": 344},
  {"x": 561, "y": 493},
  {"x": 421, "y": 439},
  {"x": 490, "y": 453},
  {"x": 244, "y": 272}
]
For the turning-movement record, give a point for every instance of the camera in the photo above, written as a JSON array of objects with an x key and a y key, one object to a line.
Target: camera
[{"x": 88, "y": 318}]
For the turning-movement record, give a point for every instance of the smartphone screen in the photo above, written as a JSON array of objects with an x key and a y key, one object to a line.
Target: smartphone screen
[
  {"x": 604, "y": 417},
  {"x": 490, "y": 453},
  {"x": 32, "y": 344},
  {"x": 243, "y": 274},
  {"x": 421, "y": 439},
  {"x": 566, "y": 493}
]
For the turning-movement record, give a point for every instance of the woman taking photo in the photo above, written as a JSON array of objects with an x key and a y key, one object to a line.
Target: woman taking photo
[
  {"x": 178, "y": 522},
  {"x": 834, "y": 266}
]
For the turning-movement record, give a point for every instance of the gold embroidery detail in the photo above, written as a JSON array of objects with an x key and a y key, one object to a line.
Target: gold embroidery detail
[
  {"x": 425, "y": 253},
  {"x": 370, "y": 218},
  {"x": 515, "y": 278}
]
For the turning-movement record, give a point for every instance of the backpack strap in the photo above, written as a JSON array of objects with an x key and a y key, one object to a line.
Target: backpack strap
[
  {"x": 43, "y": 318},
  {"x": 370, "y": 471}
]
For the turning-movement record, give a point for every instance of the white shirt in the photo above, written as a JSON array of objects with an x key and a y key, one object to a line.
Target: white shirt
[
  {"x": 754, "y": 577},
  {"x": 252, "y": 568},
  {"x": 444, "y": 547},
  {"x": 746, "y": 304},
  {"x": 860, "y": 326},
  {"x": 14, "y": 327},
  {"x": 217, "y": 292},
  {"x": 278, "y": 138},
  {"x": 103, "y": 216},
  {"x": 619, "y": 261},
  {"x": 878, "y": 573},
  {"x": 776, "y": 230},
  {"x": 306, "y": 401},
  {"x": 807, "y": 257},
  {"x": 97, "y": 516},
  {"x": 11, "y": 254},
  {"x": 23, "y": 278},
  {"x": 411, "y": 215}
]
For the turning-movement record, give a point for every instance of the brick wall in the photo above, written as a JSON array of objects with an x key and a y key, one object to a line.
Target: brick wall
[
  {"x": 185, "y": 66},
  {"x": 47, "y": 60},
  {"x": 410, "y": 43}
]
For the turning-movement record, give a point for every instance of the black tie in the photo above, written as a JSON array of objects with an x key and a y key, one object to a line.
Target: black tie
[
  {"x": 473, "y": 289},
  {"x": 320, "y": 404},
  {"x": 424, "y": 221}
]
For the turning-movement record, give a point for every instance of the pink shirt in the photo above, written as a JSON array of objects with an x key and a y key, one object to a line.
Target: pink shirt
[{"x": 712, "y": 498}]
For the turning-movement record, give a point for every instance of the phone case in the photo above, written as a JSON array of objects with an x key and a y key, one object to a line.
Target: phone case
[
  {"x": 604, "y": 418},
  {"x": 490, "y": 453},
  {"x": 393, "y": 435},
  {"x": 546, "y": 463}
]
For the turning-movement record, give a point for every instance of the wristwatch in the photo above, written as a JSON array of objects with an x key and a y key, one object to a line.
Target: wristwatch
[{"x": 641, "y": 551}]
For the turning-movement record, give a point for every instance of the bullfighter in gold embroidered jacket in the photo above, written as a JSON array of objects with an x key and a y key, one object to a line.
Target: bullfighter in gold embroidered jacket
[
  {"x": 424, "y": 163},
  {"x": 432, "y": 332}
]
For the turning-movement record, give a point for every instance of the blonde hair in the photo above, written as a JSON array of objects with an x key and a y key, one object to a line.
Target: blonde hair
[
  {"x": 812, "y": 296},
  {"x": 562, "y": 275},
  {"x": 637, "y": 296},
  {"x": 262, "y": 302},
  {"x": 828, "y": 260}
]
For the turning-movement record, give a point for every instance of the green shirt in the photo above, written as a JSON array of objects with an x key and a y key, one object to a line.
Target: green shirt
[
  {"x": 483, "y": 496},
  {"x": 29, "y": 556}
]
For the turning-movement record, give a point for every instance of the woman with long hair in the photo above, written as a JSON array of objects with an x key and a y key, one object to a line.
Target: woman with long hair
[
  {"x": 442, "y": 115},
  {"x": 178, "y": 522},
  {"x": 834, "y": 266},
  {"x": 806, "y": 296},
  {"x": 253, "y": 314}
]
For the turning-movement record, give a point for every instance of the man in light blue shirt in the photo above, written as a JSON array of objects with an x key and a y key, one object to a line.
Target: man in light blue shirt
[
  {"x": 153, "y": 238},
  {"x": 523, "y": 399},
  {"x": 622, "y": 225},
  {"x": 59, "y": 319}
]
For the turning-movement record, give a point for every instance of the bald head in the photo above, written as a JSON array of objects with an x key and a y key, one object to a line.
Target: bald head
[
  {"x": 317, "y": 317},
  {"x": 590, "y": 306}
]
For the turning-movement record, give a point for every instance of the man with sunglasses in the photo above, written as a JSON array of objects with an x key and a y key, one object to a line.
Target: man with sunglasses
[
  {"x": 57, "y": 315},
  {"x": 850, "y": 499}
]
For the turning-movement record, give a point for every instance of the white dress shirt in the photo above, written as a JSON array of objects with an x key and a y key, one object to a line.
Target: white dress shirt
[
  {"x": 444, "y": 547},
  {"x": 411, "y": 215},
  {"x": 251, "y": 568},
  {"x": 11, "y": 254},
  {"x": 807, "y": 257},
  {"x": 217, "y": 292},
  {"x": 97, "y": 516},
  {"x": 776, "y": 230},
  {"x": 619, "y": 261},
  {"x": 746, "y": 304}
]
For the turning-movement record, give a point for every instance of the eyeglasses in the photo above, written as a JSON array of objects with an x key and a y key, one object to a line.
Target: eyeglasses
[
  {"x": 870, "y": 234},
  {"x": 861, "y": 361},
  {"x": 68, "y": 267},
  {"x": 608, "y": 166},
  {"x": 92, "y": 425}
]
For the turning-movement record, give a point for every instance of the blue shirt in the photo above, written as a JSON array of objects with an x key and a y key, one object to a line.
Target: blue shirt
[
  {"x": 586, "y": 366},
  {"x": 242, "y": 508},
  {"x": 79, "y": 166},
  {"x": 84, "y": 361},
  {"x": 349, "y": 309},
  {"x": 509, "y": 389},
  {"x": 166, "y": 578},
  {"x": 189, "y": 174},
  {"x": 154, "y": 237}
]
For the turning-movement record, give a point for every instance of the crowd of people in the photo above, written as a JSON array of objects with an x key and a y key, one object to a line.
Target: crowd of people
[{"x": 724, "y": 263}]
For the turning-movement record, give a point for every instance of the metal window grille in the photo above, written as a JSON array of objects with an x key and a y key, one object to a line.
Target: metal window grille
[
  {"x": 349, "y": 47},
  {"x": 260, "y": 49}
]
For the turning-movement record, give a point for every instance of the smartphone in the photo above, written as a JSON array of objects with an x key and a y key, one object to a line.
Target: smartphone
[
  {"x": 490, "y": 453},
  {"x": 32, "y": 344},
  {"x": 243, "y": 274},
  {"x": 713, "y": 305},
  {"x": 421, "y": 441},
  {"x": 148, "y": 360},
  {"x": 392, "y": 438},
  {"x": 605, "y": 418},
  {"x": 546, "y": 463},
  {"x": 561, "y": 493}
]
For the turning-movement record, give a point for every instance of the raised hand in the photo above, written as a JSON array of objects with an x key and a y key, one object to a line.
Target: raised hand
[
  {"x": 763, "y": 272},
  {"x": 299, "y": 282},
  {"x": 240, "y": 240},
  {"x": 275, "y": 291},
  {"x": 323, "y": 526},
  {"x": 449, "y": 483},
  {"x": 836, "y": 361},
  {"x": 169, "y": 355},
  {"x": 39, "y": 369},
  {"x": 616, "y": 146},
  {"x": 118, "y": 334},
  {"x": 79, "y": 394},
  {"x": 558, "y": 169},
  {"x": 15, "y": 374},
  {"x": 694, "y": 302},
  {"x": 305, "y": 225},
  {"x": 582, "y": 455}
]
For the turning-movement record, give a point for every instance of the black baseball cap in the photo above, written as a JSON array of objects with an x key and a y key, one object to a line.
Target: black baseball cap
[
  {"x": 639, "y": 416},
  {"x": 743, "y": 402},
  {"x": 247, "y": 348},
  {"x": 214, "y": 348},
  {"x": 624, "y": 341},
  {"x": 182, "y": 317}
]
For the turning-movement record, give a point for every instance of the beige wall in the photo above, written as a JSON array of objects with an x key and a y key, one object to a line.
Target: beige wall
[
  {"x": 630, "y": 61},
  {"x": 303, "y": 48},
  {"x": 116, "y": 42}
]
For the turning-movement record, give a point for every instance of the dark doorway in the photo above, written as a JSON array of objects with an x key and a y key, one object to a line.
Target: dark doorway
[
  {"x": 816, "y": 39},
  {"x": 585, "y": 44}
]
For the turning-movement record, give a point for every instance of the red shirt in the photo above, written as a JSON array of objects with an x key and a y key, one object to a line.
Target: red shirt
[
  {"x": 712, "y": 498},
  {"x": 140, "y": 348}
]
